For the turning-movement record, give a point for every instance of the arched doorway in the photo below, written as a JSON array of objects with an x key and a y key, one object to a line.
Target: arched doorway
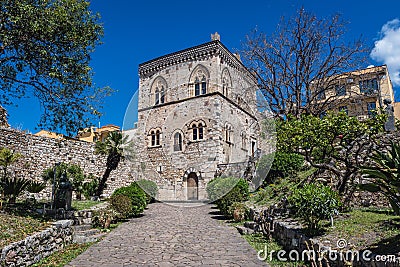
[{"x": 192, "y": 186}]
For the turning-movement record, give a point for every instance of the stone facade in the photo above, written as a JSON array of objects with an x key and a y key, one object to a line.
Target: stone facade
[
  {"x": 40, "y": 153},
  {"x": 196, "y": 110}
]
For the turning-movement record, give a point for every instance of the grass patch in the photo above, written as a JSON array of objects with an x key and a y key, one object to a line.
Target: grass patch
[
  {"x": 15, "y": 228},
  {"x": 84, "y": 204},
  {"x": 64, "y": 256},
  {"x": 259, "y": 242},
  {"x": 365, "y": 228}
]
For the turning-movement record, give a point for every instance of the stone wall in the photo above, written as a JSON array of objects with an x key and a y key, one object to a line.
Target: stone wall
[
  {"x": 289, "y": 234},
  {"x": 40, "y": 153},
  {"x": 38, "y": 246}
]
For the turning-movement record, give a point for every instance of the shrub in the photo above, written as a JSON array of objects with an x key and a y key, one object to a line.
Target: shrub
[
  {"x": 313, "y": 203},
  {"x": 239, "y": 211},
  {"x": 136, "y": 195},
  {"x": 284, "y": 164},
  {"x": 224, "y": 191},
  {"x": 150, "y": 188},
  {"x": 103, "y": 218},
  {"x": 89, "y": 188},
  {"x": 121, "y": 204}
]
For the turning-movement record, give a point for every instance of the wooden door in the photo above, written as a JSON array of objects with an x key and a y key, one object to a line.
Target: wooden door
[{"x": 192, "y": 186}]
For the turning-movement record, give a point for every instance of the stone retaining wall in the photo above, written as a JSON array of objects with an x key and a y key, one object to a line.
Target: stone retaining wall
[
  {"x": 40, "y": 153},
  {"x": 37, "y": 246},
  {"x": 289, "y": 234}
]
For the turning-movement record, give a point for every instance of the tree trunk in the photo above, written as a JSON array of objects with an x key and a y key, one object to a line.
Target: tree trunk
[{"x": 102, "y": 183}]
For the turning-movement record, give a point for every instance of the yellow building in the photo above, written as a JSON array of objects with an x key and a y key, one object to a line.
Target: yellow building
[
  {"x": 94, "y": 134},
  {"x": 359, "y": 93},
  {"x": 49, "y": 134}
]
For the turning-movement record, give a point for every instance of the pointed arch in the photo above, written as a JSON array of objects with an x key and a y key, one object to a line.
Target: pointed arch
[
  {"x": 158, "y": 90},
  {"x": 199, "y": 79}
]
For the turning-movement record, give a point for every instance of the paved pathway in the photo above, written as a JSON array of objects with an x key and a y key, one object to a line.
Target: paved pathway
[{"x": 171, "y": 236}]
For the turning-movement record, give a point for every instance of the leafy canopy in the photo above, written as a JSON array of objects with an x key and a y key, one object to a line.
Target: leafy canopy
[{"x": 45, "y": 48}]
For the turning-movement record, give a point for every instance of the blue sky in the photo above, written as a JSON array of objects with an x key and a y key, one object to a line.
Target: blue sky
[{"x": 137, "y": 31}]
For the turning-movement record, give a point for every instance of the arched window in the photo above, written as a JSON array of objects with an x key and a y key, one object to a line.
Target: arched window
[
  {"x": 199, "y": 78},
  {"x": 153, "y": 138},
  {"x": 157, "y": 96},
  {"x": 159, "y": 87},
  {"x": 194, "y": 129},
  {"x": 158, "y": 137},
  {"x": 177, "y": 142},
  {"x": 200, "y": 130}
]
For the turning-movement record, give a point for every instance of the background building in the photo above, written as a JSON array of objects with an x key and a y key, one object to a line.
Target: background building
[
  {"x": 94, "y": 134},
  {"x": 359, "y": 93}
]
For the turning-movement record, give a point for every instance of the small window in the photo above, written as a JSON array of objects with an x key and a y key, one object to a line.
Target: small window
[
  {"x": 340, "y": 90},
  {"x": 153, "y": 138},
  {"x": 158, "y": 137},
  {"x": 177, "y": 142},
  {"x": 224, "y": 86},
  {"x": 200, "y": 129},
  {"x": 162, "y": 95},
  {"x": 344, "y": 109},
  {"x": 194, "y": 129},
  {"x": 203, "y": 86},
  {"x": 197, "y": 87},
  {"x": 244, "y": 140},
  {"x": 157, "y": 97},
  {"x": 371, "y": 107}
]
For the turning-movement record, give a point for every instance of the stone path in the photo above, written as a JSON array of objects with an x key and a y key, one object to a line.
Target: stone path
[{"x": 172, "y": 236}]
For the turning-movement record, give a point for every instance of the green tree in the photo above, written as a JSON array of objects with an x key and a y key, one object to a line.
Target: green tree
[
  {"x": 336, "y": 143},
  {"x": 384, "y": 175},
  {"x": 45, "y": 47},
  {"x": 116, "y": 147}
]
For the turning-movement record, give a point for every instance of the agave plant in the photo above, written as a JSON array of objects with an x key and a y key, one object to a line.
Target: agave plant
[
  {"x": 385, "y": 176},
  {"x": 13, "y": 187}
]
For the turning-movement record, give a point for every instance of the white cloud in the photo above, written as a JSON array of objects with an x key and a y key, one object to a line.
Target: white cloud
[{"x": 387, "y": 49}]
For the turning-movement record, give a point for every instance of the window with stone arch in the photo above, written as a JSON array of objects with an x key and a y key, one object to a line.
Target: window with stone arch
[
  {"x": 155, "y": 137},
  {"x": 199, "y": 79},
  {"x": 159, "y": 88},
  {"x": 198, "y": 130},
  {"x": 226, "y": 82},
  {"x": 178, "y": 143},
  {"x": 228, "y": 132}
]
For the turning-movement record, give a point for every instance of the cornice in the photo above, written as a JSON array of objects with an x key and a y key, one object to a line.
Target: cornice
[{"x": 200, "y": 52}]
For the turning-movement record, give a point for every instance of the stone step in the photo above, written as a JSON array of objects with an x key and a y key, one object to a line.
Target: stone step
[
  {"x": 81, "y": 239},
  {"x": 89, "y": 232},
  {"x": 82, "y": 227}
]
